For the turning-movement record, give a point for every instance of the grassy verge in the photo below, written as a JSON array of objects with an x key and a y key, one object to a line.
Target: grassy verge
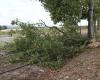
[{"x": 4, "y": 33}]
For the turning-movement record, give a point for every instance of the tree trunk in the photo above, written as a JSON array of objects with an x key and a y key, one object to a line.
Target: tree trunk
[{"x": 90, "y": 20}]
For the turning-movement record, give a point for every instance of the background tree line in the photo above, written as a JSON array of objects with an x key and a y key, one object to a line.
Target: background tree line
[{"x": 3, "y": 27}]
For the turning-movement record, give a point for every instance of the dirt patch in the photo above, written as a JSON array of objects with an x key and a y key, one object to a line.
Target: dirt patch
[
  {"x": 83, "y": 67},
  {"x": 28, "y": 72}
]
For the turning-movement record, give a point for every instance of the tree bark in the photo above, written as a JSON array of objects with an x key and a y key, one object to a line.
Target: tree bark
[{"x": 90, "y": 19}]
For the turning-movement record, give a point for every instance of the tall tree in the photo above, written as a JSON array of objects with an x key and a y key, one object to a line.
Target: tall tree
[
  {"x": 72, "y": 11},
  {"x": 96, "y": 11},
  {"x": 90, "y": 19},
  {"x": 96, "y": 14}
]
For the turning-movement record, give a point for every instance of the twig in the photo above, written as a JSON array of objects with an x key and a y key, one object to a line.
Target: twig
[
  {"x": 13, "y": 69},
  {"x": 52, "y": 27}
]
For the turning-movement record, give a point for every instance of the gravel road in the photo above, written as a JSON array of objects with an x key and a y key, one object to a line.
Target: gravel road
[{"x": 6, "y": 38}]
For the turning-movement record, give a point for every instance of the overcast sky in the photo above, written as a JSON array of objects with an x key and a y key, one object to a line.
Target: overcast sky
[{"x": 24, "y": 10}]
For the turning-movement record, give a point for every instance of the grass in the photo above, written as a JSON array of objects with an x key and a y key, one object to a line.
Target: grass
[
  {"x": 3, "y": 33},
  {"x": 2, "y": 45},
  {"x": 9, "y": 32}
]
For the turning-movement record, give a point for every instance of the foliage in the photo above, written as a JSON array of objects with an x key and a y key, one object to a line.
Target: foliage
[
  {"x": 73, "y": 10},
  {"x": 46, "y": 48},
  {"x": 62, "y": 10}
]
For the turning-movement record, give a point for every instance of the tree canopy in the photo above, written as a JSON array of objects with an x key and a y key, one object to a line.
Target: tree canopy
[
  {"x": 63, "y": 10},
  {"x": 73, "y": 11},
  {"x": 69, "y": 10}
]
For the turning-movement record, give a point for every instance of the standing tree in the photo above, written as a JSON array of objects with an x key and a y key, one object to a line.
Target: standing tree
[
  {"x": 96, "y": 14},
  {"x": 90, "y": 19},
  {"x": 72, "y": 11},
  {"x": 96, "y": 11}
]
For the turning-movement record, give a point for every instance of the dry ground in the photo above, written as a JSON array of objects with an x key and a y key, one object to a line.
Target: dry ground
[
  {"x": 86, "y": 66},
  {"x": 83, "y": 67}
]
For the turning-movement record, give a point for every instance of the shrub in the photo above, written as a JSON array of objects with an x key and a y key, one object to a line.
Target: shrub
[{"x": 37, "y": 46}]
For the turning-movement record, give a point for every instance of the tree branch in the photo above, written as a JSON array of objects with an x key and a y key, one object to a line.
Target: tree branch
[{"x": 52, "y": 27}]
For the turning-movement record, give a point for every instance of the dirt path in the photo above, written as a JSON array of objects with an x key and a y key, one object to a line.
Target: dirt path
[
  {"x": 83, "y": 67},
  {"x": 86, "y": 66}
]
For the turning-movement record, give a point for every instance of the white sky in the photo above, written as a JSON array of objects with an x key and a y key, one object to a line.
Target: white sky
[
  {"x": 83, "y": 23},
  {"x": 24, "y": 10}
]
